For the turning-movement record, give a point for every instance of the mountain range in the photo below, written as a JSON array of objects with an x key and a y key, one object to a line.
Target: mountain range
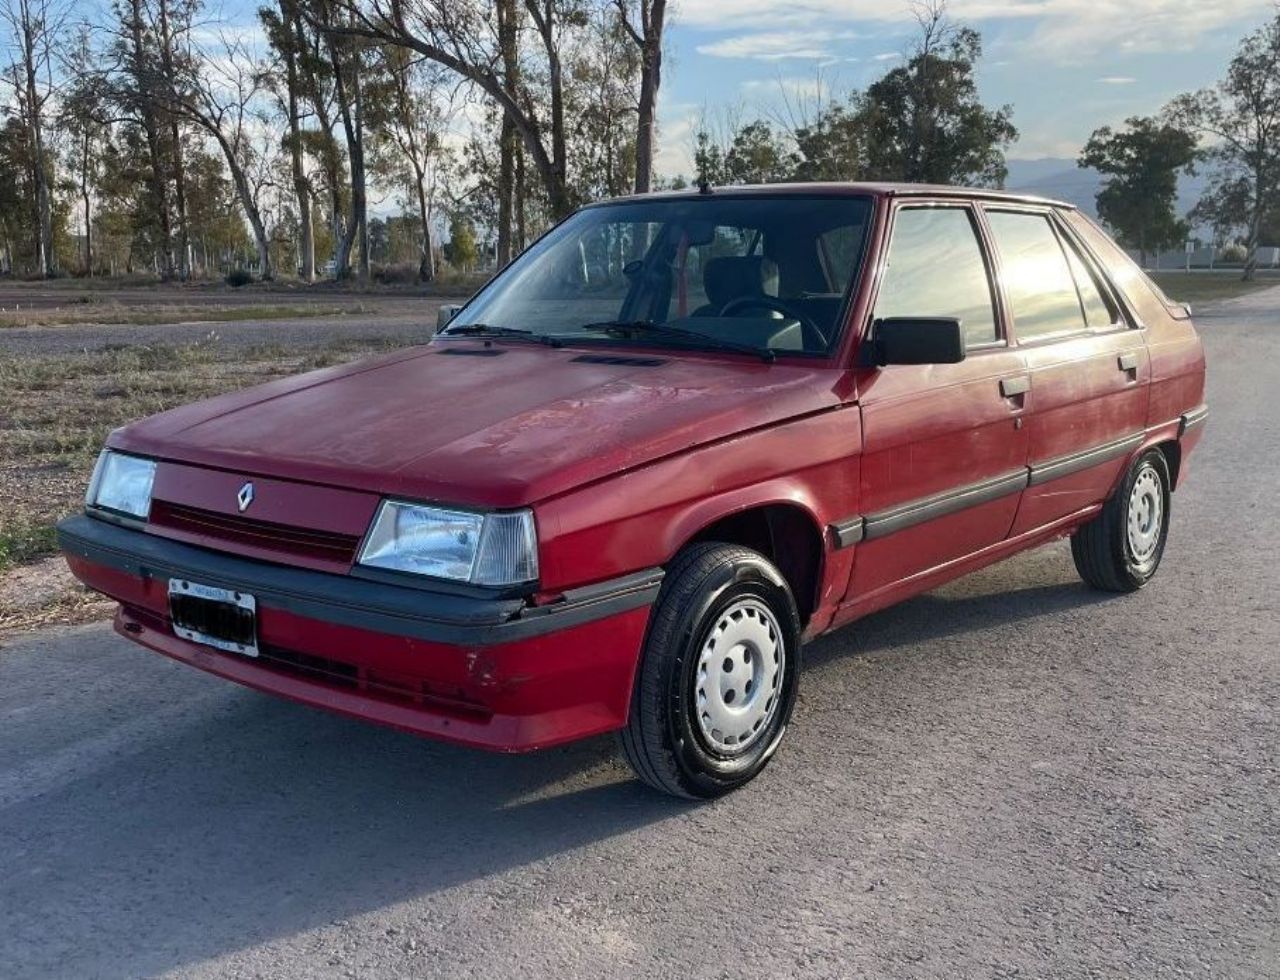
[{"x": 1059, "y": 178}]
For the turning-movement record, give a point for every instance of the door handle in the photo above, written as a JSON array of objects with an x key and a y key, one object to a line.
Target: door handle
[
  {"x": 1013, "y": 387},
  {"x": 1128, "y": 362}
]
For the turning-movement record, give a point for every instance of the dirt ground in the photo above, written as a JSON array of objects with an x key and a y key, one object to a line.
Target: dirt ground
[{"x": 65, "y": 385}]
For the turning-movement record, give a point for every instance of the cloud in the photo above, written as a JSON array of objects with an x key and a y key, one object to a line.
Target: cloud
[
  {"x": 1065, "y": 31},
  {"x": 1117, "y": 80},
  {"x": 677, "y": 126},
  {"x": 777, "y": 45},
  {"x": 886, "y": 56}
]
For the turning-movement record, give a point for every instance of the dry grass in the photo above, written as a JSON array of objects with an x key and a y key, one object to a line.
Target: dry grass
[
  {"x": 88, "y": 313},
  {"x": 56, "y": 411},
  {"x": 1200, "y": 287}
]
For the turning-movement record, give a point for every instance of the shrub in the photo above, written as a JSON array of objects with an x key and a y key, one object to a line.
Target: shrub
[
  {"x": 395, "y": 273},
  {"x": 1235, "y": 252},
  {"x": 239, "y": 277}
]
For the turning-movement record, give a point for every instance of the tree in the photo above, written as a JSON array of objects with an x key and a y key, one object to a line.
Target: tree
[
  {"x": 281, "y": 28},
  {"x": 923, "y": 120},
  {"x": 86, "y": 133},
  {"x": 405, "y": 110},
  {"x": 462, "y": 243},
  {"x": 460, "y": 35},
  {"x": 220, "y": 93},
  {"x": 757, "y": 155},
  {"x": 1241, "y": 118},
  {"x": 1141, "y": 164},
  {"x": 173, "y": 17},
  {"x": 833, "y": 145},
  {"x": 644, "y": 21},
  {"x": 36, "y": 27}
]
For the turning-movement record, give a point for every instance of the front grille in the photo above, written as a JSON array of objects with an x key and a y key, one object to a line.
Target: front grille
[
  {"x": 282, "y": 538},
  {"x": 372, "y": 682},
  {"x": 384, "y": 685}
]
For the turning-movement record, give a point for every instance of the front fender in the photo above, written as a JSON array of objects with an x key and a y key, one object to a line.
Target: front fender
[{"x": 641, "y": 519}]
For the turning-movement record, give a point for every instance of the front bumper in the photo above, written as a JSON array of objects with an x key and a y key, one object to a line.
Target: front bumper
[{"x": 489, "y": 672}]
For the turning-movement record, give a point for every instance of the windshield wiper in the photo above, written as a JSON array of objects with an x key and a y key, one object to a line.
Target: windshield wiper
[
  {"x": 487, "y": 330},
  {"x": 630, "y": 328}
]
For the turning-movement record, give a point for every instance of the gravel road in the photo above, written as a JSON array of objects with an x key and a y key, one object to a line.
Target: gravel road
[
  {"x": 1011, "y": 776},
  {"x": 408, "y": 318}
]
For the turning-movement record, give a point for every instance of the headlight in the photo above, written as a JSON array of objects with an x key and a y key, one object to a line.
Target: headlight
[
  {"x": 483, "y": 549},
  {"x": 122, "y": 483}
]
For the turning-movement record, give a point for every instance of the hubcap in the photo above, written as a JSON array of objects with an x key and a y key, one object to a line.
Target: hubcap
[
  {"x": 1146, "y": 516},
  {"x": 740, "y": 668}
]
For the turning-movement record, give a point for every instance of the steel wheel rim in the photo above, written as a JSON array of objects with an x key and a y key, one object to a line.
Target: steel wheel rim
[
  {"x": 737, "y": 685},
  {"x": 1146, "y": 516}
]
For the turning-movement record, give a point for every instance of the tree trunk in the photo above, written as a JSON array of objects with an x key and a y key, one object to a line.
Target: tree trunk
[
  {"x": 649, "y": 38},
  {"x": 88, "y": 208},
  {"x": 509, "y": 48},
  {"x": 506, "y": 190},
  {"x": 521, "y": 235},
  {"x": 301, "y": 189},
  {"x": 175, "y": 133},
  {"x": 245, "y": 193},
  {"x": 35, "y": 127},
  {"x": 351, "y": 109},
  {"x": 427, "y": 263},
  {"x": 1255, "y": 227},
  {"x": 150, "y": 128}
]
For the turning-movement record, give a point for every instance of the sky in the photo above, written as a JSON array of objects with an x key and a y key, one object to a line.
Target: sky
[{"x": 1066, "y": 66}]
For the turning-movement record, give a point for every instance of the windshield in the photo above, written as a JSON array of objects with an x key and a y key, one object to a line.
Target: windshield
[{"x": 716, "y": 271}]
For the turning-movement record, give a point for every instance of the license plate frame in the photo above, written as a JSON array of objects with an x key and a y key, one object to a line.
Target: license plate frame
[{"x": 195, "y": 609}]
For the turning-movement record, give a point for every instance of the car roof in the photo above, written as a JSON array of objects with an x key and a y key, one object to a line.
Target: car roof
[{"x": 847, "y": 188}]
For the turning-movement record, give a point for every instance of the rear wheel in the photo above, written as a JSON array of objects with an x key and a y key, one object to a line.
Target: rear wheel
[
  {"x": 718, "y": 676},
  {"x": 1120, "y": 549}
]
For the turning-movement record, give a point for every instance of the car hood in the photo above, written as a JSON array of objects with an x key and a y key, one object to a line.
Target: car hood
[{"x": 502, "y": 426}]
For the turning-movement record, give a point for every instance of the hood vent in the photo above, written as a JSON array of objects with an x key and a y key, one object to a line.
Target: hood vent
[
  {"x": 471, "y": 352},
  {"x": 620, "y": 360}
]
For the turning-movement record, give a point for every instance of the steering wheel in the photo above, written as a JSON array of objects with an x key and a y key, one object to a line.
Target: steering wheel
[{"x": 808, "y": 329}]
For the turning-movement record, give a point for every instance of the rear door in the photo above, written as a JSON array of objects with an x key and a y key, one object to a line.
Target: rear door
[
  {"x": 1089, "y": 369},
  {"x": 944, "y": 450}
]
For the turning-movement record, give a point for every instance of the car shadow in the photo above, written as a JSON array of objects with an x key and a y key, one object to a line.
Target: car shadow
[
  {"x": 250, "y": 819},
  {"x": 261, "y": 819},
  {"x": 929, "y": 617}
]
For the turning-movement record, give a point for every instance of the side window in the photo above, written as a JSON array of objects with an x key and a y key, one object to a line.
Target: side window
[
  {"x": 1038, "y": 282},
  {"x": 1098, "y": 312},
  {"x": 935, "y": 268}
]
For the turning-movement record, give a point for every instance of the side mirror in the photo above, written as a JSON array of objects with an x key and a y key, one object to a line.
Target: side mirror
[
  {"x": 445, "y": 314},
  {"x": 917, "y": 340}
]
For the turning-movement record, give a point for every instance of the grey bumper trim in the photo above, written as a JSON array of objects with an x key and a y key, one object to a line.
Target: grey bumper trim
[
  {"x": 376, "y": 606},
  {"x": 847, "y": 532},
  {"x": 929, "y": 508},
  {"x": 1054, "y": 469},
  {"x": 1197, "y": 416}
]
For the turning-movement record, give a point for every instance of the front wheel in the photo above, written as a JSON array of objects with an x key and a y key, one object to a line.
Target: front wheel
[
  {"x": 1120, "y": 549},
  {"x": 717, "y": 681}
]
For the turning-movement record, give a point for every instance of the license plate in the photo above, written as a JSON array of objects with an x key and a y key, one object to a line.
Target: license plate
[{"x": 221, "y": 618}]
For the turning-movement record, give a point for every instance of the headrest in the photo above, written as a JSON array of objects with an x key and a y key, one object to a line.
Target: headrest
[{"x": 730, "y": 277}]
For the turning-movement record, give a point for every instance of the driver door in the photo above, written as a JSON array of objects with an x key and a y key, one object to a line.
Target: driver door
[{"x": 944, "y": 458}]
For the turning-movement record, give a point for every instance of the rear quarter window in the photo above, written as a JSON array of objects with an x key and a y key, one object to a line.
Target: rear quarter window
[{"x": 1138, "y": 288}]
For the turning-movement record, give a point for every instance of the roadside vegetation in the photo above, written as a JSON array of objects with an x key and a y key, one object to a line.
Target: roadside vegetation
[
  {"x": 56, "y": 411},
  {"x": 120, "y": 313},
  {"x": 1200, "y": 287}
]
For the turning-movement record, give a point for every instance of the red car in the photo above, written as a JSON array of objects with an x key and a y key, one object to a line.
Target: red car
[{"x": 677, "y": 438}]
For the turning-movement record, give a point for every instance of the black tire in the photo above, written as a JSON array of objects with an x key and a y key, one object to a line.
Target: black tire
[
  {"x": 1102, "y": 551},
  {"x": 664, "y": 740}
]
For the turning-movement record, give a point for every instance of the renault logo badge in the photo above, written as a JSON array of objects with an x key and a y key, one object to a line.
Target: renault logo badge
[{"x": 245, "y": 497}]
